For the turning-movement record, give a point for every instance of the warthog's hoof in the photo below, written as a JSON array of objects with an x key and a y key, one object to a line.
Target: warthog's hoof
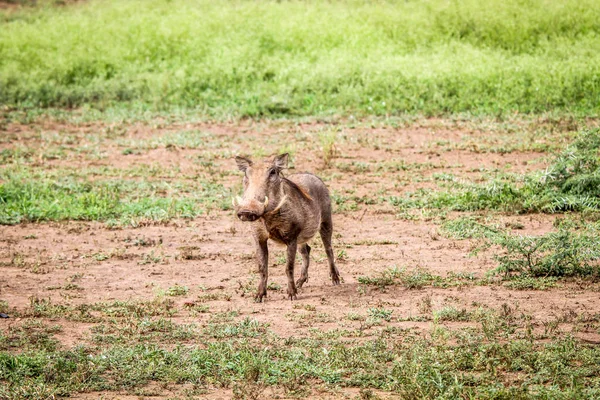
[
  {"x": 335, "y": 280},
  {"x": 259, "y": 297},
  {"x": 292, "y": 294},
  {"x": 301, "y": 282}
]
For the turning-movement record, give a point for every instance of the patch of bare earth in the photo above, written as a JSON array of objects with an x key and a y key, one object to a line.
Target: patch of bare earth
[
  {"x": 219, "y": 260},
  {"x": 84, "y": 263}
]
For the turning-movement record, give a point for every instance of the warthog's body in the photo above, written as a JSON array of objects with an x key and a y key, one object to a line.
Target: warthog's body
[{"x": 289, "y": 211}]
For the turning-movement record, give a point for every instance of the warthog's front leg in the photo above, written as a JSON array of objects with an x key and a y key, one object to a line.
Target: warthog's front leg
[
  {"x": 291, "y": 258},
  {"x": 262, "y": 257}
]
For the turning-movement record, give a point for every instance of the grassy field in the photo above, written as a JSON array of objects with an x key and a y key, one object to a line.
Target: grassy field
[
  {"x": 297, "y": 58},
  {"x": 460, "y": 141}
]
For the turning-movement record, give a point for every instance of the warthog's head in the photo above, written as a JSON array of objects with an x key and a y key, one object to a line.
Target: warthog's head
[{"x": 262, "y": 187}]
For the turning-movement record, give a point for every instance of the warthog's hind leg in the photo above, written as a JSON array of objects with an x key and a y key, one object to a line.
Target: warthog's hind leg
[
  {"x": 289, "y": 270},
  {"x": 305, "y": 252},
  {"x": 326, "y": 233}
]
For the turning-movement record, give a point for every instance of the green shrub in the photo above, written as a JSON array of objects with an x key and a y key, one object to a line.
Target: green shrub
[
  {"x": 561, "y": 253},
  {"x": 570, "y": 183}
]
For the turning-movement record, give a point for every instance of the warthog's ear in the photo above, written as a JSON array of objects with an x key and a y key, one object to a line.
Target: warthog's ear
[
  {"x": 281, "y": 161},
  {"x": 243, "y": 163}
]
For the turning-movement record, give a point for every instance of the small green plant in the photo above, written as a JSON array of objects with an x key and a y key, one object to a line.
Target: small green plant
[
  {"x": 425, "y": 305},
  {"x": 153, "y": 258},
  {"x": 196, "y": 309},
  {"x": 451, "y": 314},
  {"x": 281, "y": 258},
  {"x": 177, "y": 290},
  {"x": 419, "y": 278},
  {"x": 100, "y": 256},
  {"x": 342, "y": 255},
  {"x": 138, "y": 309},
  {"x": 355, "y": 317},
  {"x": 206, "y": 297},
  {"x": 3, "y": 306},
  {"x": 381, "y": 313},
  {"x": 251, "y": 386},
  {"x": 327, "y": 140},
  {"x": 385, "y": 278},
  {"x": 572, "y": 181}
]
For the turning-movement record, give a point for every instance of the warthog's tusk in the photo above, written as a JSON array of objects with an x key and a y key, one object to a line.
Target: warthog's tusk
[
  {"x": 281, "y": 203},
  {"x": 266, "y": 203},
  {"x": 233, "y": 202},
  {"x": 238, "y": 199}
]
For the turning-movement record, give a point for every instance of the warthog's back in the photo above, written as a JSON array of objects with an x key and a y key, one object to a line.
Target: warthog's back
[
  {"x": 318, "y": 206},
  {"x": 315, "y": 188}
]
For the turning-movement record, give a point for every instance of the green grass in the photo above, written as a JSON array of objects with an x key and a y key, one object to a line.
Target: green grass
[
  {"x": 416, "y": 279},
  {"x": 571, "y": 182},
  {"x": 31, "y": 335},
  {"x": 246, "y": 58},
  {"x": 117, "y": 201},
  {"x": 44, "y": 308},
  {"x": 495, "y": 359},
  {"x": 477, "y": 352},
  {"x": 381, "y": 313},
  {"x": 467, "y": 228},
  {"x": 451, "y": 314},
  {"x": 524, "y": 282},
  {"x": 133, "y": 331}
]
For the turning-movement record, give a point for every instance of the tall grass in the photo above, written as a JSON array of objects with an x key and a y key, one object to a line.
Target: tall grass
[{"x": 253, "y": 58}]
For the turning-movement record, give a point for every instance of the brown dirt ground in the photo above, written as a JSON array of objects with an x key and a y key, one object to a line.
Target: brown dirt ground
[{"x": 56, "y": 253}]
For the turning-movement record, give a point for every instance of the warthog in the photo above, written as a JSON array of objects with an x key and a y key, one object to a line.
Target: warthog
[{"x": 289, "y": 210}]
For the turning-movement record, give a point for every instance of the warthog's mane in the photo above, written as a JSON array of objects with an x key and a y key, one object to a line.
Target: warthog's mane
[{"x": 297, "y": 188}]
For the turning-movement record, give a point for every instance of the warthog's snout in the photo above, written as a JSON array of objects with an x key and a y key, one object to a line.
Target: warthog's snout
[
  {"x": 250, "y": 210},
  {"x": 247, "y": 215}
]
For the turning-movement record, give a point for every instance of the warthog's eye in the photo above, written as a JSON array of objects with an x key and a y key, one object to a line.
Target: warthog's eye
[{"x": 272, "y": 173}]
